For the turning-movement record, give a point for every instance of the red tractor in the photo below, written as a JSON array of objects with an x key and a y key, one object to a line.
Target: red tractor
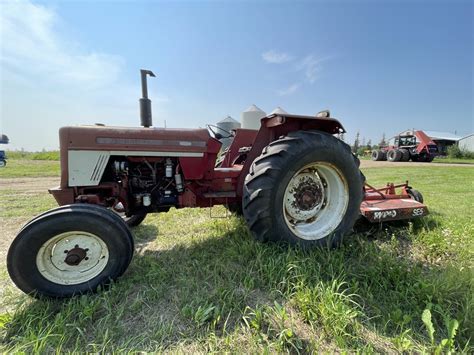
[
  {"x": 414, "y": 145},
  {"x": 292, "y": 180}
]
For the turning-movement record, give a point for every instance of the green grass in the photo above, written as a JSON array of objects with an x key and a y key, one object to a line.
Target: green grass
[
  {"x": 198, "y": 284},
  {"x": 442, "y": 160},
  {"x": 453, "y": 160},
  {"x": 29, "y": 168},
  {"x": 44, "y": 155}
]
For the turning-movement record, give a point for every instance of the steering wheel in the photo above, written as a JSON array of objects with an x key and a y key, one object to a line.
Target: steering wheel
[{"x": 217, "y": 135}]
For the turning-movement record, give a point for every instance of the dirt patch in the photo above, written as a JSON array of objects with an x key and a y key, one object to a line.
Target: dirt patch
[
  {"x": 37, "y": 184},
  {"x": 9, "y": 228},
  {"x": 387, "y": 164}
]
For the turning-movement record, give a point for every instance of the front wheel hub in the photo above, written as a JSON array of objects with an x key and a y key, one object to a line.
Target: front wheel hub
[
  {"x": 71, "y": 258},
  {"x": 75, "y": 256}
]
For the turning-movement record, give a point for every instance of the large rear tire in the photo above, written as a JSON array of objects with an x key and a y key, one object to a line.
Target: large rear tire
[
  {"x": 378, "y": 155},
  {"x": 304, "y": 189},
  {"x": 394, "y": 155},
  {"x": 70, "y": 250},
  {"x": 405, "y": 155}
]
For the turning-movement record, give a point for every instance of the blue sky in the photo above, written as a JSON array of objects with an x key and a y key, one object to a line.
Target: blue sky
[{"x": 379, "y": 66}]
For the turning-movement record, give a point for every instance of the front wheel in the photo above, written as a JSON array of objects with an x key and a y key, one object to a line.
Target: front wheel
[
  {"x": 70, "y": 250},
  {"x": 3, "y": 163},
  {"x": 304, "y": 189}
]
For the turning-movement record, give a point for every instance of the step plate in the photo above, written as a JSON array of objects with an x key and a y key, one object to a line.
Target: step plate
[{"x": 392, "y": 209}]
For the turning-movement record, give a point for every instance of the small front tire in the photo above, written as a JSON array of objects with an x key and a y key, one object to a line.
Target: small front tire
[
  {"x": 416, "y": 195},
  {"x": 70, "y": 250}
]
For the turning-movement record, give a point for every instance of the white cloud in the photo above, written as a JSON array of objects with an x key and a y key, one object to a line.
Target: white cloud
[
  {"x": 33, "y": 49},
  {"x": 49, "y": 80},
  {"x": 311, "y": 66},
  {"x": 289, "y": 90},
  {"x": 276, "y": 57}
]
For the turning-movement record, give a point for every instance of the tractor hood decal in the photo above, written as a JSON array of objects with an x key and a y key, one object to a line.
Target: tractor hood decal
[{"x": 159, "y": 142}]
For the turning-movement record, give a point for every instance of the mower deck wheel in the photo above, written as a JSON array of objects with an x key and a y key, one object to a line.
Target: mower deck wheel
[{"x": 417, "y": 196}]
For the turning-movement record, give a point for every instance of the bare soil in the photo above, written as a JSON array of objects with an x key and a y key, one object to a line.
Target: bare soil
[
  {"x": 10, "y": 226},
  {"x": 37, "y": 184}
]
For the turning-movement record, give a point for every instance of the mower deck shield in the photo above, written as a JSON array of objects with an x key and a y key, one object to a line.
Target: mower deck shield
[{"x": 392, "y": 209}]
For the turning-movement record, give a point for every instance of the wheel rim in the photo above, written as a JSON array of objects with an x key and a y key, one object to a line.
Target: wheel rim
[
  {"x": 315, "y": 201},
  {"x": 72, "y": 258}
]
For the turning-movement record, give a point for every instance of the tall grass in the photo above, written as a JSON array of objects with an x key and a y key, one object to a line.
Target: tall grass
[
  {"x": 204, "y": 285},
  {"x": 23, "y": 155}
]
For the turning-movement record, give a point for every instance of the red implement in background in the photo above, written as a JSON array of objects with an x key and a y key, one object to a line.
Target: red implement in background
[{"x": 385, "y": 204}]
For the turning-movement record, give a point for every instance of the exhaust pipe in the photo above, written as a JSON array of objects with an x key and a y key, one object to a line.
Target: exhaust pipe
[{"x": 145, "y": 102}]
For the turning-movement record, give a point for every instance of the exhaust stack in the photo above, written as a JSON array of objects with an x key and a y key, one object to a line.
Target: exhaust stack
[{"x": 145, "y": 102}]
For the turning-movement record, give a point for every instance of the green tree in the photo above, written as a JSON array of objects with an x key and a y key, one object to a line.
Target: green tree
[{"x": 356, "y": 145}]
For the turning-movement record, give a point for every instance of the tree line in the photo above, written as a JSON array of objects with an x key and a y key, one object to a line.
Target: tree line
[{"x": 361, "y": 146}]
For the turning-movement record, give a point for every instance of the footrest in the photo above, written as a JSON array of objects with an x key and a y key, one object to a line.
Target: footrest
[{"x": 221, "y": 194}]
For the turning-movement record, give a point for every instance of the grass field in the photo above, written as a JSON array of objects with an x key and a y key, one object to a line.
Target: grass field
[
  {"x": 448, "y": 160},
  {"x": 29, "y": 168},
  {"x": 198, "y": 284}
]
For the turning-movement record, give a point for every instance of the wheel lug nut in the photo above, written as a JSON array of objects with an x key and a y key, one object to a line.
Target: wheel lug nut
[
  {"x": 76, "y": 246},
  {"x": 66, "y": 251},
  {"x": 86, "y": 249},
  {"x": 86, "y": 258}
]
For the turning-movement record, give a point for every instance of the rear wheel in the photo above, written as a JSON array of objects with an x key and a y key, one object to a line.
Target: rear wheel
[
  {"x": 304, "y": 189},
  {"x": 378, "y": 155},
  {"x": 405, "y": 155},
  {"x": 235, "y": 208},
  {"x": 70, "y": 250},
  {"x": 134, "y": 220},
  {"x": 3, "y": 163},
  {"x": 394, "y": 155},
  {"x": 131, "y": 221}
]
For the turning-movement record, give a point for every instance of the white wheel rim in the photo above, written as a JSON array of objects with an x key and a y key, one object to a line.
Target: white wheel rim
[
  {"x": 2, "y": 164},
  {"x": 56, "y": 260},
  {"x": 315, "y": 201}
]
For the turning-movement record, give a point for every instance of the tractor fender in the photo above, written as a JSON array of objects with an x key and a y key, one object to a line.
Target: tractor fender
[
  {"x": 275, "y": 126},
  {"x": 290, "y": 123}
]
